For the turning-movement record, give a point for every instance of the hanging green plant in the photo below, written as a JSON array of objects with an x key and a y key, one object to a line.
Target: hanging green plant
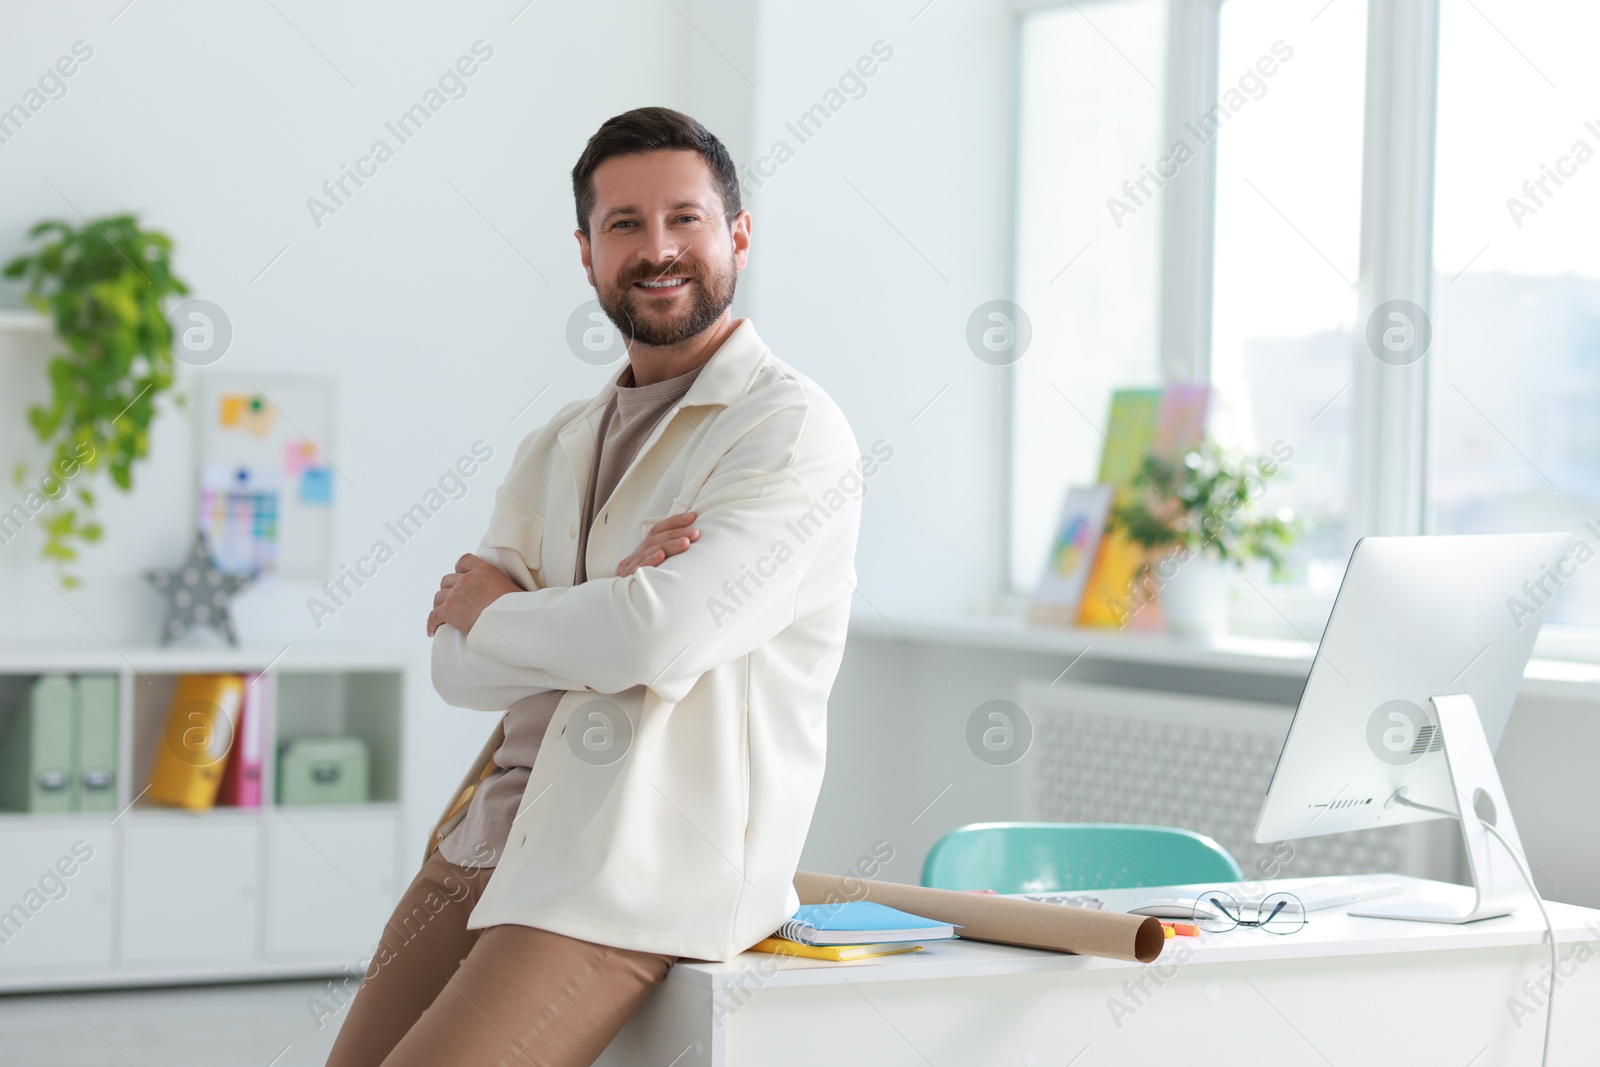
[{"x": 103, "y": 286}]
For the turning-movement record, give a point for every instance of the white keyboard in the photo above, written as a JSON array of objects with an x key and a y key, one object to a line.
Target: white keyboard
[{"x": 1317, "y": 896}]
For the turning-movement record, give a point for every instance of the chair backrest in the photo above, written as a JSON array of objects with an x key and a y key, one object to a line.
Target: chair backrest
[{"x": 1043, "y": 857}]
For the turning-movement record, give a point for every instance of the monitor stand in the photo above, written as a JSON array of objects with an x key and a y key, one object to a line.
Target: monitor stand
[{"x": 1496, "y": 880}]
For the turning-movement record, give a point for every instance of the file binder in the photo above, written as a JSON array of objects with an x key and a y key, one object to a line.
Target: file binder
[
  {"x": 199, "y": 734},
  {"x": 36, "y": 757},
  {"x": 95, "y": 761},
  {"x": 241, "y": 781}
]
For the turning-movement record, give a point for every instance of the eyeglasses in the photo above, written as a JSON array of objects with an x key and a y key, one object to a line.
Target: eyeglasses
[{"x": 1277, "y": 913}]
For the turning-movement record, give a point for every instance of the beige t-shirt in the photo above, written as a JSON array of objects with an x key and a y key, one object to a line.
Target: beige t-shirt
[{"x": 626, "y": 420}]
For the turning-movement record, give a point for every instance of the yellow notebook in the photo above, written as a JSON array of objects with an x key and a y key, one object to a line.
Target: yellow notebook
[
  {"x": 194, "y": 746},
  {"x": 784, "y": 947}
]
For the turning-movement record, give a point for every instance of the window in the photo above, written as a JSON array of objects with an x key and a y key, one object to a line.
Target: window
[
  {"x": 1090, "y": 120},
  {"x": 1467, "y": 185},
  {"x": 1516, "y": 288},
  {"x": 1288, "y": 224}
]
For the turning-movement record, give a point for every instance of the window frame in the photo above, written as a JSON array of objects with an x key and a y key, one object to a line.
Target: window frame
[{"x": 1390, "y": 416}]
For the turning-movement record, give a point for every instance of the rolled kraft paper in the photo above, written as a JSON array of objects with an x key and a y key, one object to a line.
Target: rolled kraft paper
[{"x": 1002, "y": 920}]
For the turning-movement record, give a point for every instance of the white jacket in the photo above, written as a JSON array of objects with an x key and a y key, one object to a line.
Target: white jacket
[{"x": 721, "y": 659}]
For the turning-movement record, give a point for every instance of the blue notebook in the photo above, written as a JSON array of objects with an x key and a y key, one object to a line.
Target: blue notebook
[{"x": 858, "y": 922}]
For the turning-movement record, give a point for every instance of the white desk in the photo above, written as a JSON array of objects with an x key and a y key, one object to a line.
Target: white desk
[{"x": 1342, "y": 991}]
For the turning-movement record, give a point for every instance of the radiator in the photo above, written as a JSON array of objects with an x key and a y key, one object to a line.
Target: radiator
[{"x": 1110, "y": 754}]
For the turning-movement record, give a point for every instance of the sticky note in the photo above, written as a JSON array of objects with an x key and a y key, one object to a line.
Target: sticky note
[
  {"x": 316, "y": 486},
  {"x": 233, "y": 405},
  {"x": 298, "y": 456},
  {"x": 249, "y": 412}
]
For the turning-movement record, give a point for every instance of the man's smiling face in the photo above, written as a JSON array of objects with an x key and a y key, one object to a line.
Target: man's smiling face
[{"x": 661, "y": 256}]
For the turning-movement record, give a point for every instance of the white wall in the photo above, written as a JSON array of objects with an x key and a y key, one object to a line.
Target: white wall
[
  {"x": 878, "y": 239},
  {"x": 216, "y": 123}
]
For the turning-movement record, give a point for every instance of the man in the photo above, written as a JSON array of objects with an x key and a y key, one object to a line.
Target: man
[{"x": 659, "y": 606}]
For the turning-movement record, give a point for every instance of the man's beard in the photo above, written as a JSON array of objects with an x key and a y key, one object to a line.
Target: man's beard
[{"x": 712, "y": 293}]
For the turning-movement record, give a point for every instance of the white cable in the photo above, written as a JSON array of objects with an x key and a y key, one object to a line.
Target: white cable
[
  {"x": 1401, "y": 799},
  {"x": 1555, "y": 956},
  {"x": 1516, "y": 861}
]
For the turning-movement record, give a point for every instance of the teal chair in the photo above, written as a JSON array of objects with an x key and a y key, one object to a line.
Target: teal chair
[{"x": 1045, "y": 857}]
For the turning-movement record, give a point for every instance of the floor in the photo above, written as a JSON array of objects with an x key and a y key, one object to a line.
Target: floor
[{"x": 261, "y": 1024}]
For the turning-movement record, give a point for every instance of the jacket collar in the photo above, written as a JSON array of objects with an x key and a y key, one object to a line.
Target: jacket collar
[{"x": 722, "y": 380}]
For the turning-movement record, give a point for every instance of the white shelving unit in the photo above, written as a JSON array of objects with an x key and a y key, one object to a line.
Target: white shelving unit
[{"x": 157, "y": 895}]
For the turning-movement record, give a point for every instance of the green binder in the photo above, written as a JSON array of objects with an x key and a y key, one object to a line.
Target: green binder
[
  {"x": 36, "y": 754},
  {"x": 95, "y": 780}
]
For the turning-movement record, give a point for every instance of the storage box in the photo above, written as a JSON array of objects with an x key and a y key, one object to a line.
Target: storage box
[{"x": 324, "y": 770}]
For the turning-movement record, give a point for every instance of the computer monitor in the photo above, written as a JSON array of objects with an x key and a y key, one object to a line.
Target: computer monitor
[{"x": 1417, "y": 619}]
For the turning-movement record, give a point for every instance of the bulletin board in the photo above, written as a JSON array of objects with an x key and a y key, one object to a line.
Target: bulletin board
[{"x": 266, "y": 478}]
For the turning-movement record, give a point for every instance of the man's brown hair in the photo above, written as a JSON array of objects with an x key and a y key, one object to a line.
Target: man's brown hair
[{"x": 648, "y": 129}]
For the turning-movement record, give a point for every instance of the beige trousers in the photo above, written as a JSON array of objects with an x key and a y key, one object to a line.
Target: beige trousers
[{"x": 439, "y": 995}]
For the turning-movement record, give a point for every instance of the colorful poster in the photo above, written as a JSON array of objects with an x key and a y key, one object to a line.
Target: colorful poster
[
  {"x": 266, "y": 477},
  {"x": 1072, "y": 555},
  {"x": 239, "y": 514},
  {"x": 1166, "y": 422},
  {"x": 1181, "y": 422}
]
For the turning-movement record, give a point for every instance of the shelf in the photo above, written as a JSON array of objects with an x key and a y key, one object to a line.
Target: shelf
[
  {"x": 24, "y": 321},
  {"x": 371, "y": 807},
  {"x": 1255, "y": 655},
  {"x": 1545, "y": 678},
  {"x": 310, "y": 692},
  {"x": 21, "y": 819},
  {"x": 142, "y": 810},
  {"x": 169, "y": 894},
  {"x": 1561, "y": 679},
  {"x": 39, "y": 659}
]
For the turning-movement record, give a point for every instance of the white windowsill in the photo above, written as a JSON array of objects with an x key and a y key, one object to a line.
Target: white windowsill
[
  {"x": 1255, "y": 655},
  {"x": 1567, "y": 679}
]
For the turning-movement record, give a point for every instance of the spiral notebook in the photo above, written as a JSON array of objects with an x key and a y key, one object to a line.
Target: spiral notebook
[{"x": 858, "y": 922}]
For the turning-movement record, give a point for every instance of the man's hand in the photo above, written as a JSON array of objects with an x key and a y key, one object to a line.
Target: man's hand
[
  {"x": 666, "y": 538},
  {"x": 476, "y": 583},
  {"x": 465, "y": 592}
]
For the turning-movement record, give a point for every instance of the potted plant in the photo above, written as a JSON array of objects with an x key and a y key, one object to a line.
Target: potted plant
[
  {"x": 103, "y": 286},
  {"x": 1199, "y": 519}
]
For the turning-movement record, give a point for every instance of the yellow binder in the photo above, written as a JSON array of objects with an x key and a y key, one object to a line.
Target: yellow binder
[{"x": 194, "y": 747}]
